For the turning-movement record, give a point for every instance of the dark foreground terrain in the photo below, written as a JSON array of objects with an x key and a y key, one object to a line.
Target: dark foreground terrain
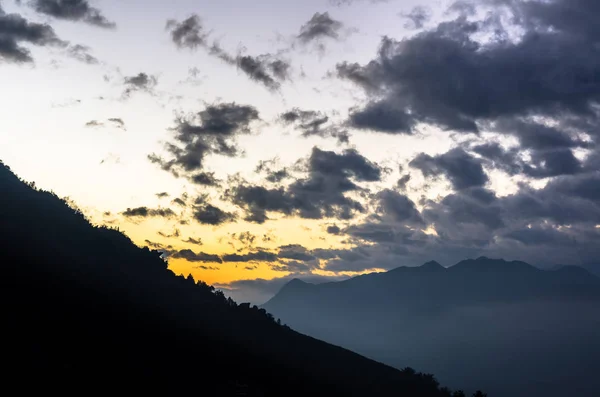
[{"x": 84, "y": 310}]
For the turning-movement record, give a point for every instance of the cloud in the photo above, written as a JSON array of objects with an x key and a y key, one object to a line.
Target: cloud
[
  {"x": 116, "y": 122},
  {"x": 192, "y": 256},
  {"x": 195, "y": 241},
  {"x": 145, "y": 212},
  {"x": 188, "y": 33},
  {"x": 320, "y": 26},
  {"x": 94, "y": 124},
  {"x": 14, "y": 30},
  {"x": 258, "y": 256},
  {"x": 417, "y": 17},
  {"x": 403, "y": 181},
  {"x": 162, "y": 195},
  {"x": 462, "y": 169},
  {"x": 73, "y": 10},
  {"x": 210, "y": 131},
  {"x": 208, "y": 214},
  {"x": 272, "y": 175},
  {"x": 82, "y": 54},
  {"x": 295, "y": 252},
  {"x": 179, "y": 201},
  {"x": 158, "y": 246},
  {"x": 321, "y": 194},
  {"x": 267, "y": 69},
  {"x": 444, "y": 77},
  {"x": 140, "y": 82},
  {"x": 313, "y": 123},
  {"x": 333, "y": 229},
  {"x": 204, "y": 179},
  {"x": 399, "y": 207},
  {"x": 174, "y": 234}
]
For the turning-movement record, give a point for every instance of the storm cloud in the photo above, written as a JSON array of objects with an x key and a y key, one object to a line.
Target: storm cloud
[{"x": 73, "y": 10}]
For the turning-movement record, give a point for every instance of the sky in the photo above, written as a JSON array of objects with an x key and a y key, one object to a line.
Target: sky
[{"x": 254, "y": 143}]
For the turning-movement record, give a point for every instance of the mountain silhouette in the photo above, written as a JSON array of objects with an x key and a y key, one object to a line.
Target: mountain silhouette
[
  {"x": 84, "y": 308},
  {"x": 503, "y": 326},
  {"x": 594, "y": 268}
]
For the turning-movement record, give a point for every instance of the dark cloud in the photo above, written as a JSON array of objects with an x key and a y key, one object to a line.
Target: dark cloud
[
  {"x": 158, "y": 246},
  {"x": 399, "y": 207},
  {"x": 192, "y": 256},
  {"x": 208, "y": 214},
  {"x": 320, "y": 26},
  {"x": 211, "y": 131},
  {"x": 204, "y": 267},
  {"x": 174, "y": 234},
  {"x": 15, "y": 30},
  {"x": 333, "y": 229},
  {"x": 73, "y": 10},
  {"x": 162, "y": 195},
  {"x": 539, "y": 136},
  {"x": 145, "y": 212},
  {"x": 94, "y": 124},
  {"x": 204, "y": 179},
  {"x": 188, "y": 33},
  {"x": 246, "y": 238},
  {"x": 313, "y": 123},
  {"x": 540, "y": 164},
  {"x": 82, "y": 54},
  {"x": 403, "y": 181},
  {"x": 140, "y": 82},
  {"x": 267, "y": 69},
  {"x": 321, "y": 194},
  {"x": 295, "y": 252},
  {"x": 498, "y": 157},
  {"x": 462, "y": 169},
  {"x": 258, "y": 256},
  {"x": 383, "y": 117},
  {"x": 272, "y": 175},
  {"x": 117, "y": 122},
  {"x": 195, "y": 241},
  {"x": 417, "y": 17},
  {"x": 179, "y": 201},
  {"x": 445, "y": 77}
]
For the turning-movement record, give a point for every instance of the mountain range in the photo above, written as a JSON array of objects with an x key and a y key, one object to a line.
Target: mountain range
[{"x": 504, "y": 326}]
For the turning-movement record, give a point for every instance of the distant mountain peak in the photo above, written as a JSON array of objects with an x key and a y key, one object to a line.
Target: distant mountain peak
[
  {"x": 483, "y": 263},
  {"x": 432, "y": 265},
  {"x": 295, "y": 284}
]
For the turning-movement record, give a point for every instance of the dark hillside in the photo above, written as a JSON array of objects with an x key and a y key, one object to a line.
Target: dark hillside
[{"x": 84, "y": 308}]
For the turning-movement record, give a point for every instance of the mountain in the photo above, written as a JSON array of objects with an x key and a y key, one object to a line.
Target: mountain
[
  {"x": 503, "y": 326},
  {"x": 594, "y": 269},
  {"x": 83, "y": 307}
]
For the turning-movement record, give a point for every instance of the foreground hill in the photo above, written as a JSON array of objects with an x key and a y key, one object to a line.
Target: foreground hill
[
  {"x": 83, "y": 308},
  {"x": 506, "y": 327}
]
